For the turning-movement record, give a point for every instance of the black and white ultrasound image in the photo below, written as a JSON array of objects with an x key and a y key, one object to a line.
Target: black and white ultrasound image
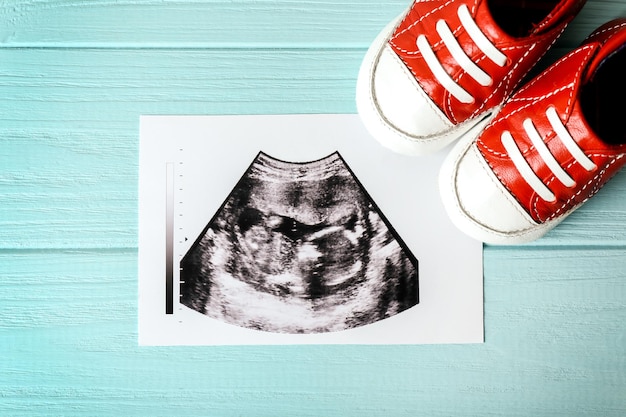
[{"x": 299, "y": 248}]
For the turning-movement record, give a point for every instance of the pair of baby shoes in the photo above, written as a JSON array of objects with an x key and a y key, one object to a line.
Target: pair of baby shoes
[{"x": 525, "y": 157}]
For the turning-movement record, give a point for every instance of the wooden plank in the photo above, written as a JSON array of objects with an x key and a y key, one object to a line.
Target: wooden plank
[
  {"x": 56, "y": 86},
  {"x": 201, "y": 24},
  {"x": 230, "y": 24},
  {"x": 554, "y": 346}
]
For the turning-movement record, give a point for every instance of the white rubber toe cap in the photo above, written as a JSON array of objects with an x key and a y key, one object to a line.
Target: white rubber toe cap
[
  {"x": 395, "y": 109},
  {"x": 482, "y": 197},
  {"x": 402, "y": 102},
  {"x": 478, "y": 204}
]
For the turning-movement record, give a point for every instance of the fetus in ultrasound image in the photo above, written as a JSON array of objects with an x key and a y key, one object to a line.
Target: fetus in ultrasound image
[{"x": 299, "y": 248}]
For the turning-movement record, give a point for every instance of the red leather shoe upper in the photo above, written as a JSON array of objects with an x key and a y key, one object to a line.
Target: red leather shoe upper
[
  {"x": 521, "y": 52},
  {"x": 558, "y": 88}
]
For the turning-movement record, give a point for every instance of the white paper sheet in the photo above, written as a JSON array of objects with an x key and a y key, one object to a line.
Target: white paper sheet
[{"x": 190, "y": 164}]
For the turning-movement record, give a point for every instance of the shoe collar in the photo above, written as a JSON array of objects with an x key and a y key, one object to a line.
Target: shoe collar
[
  {"x": 608, "y": 39},
  {"x": 563, "y": 11}
]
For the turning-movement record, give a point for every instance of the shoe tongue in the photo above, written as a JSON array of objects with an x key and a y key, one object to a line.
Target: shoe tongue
[{"x": 610, "y": 40}]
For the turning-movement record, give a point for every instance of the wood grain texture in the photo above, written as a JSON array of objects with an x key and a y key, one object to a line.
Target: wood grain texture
[
  {"x": 76, "y": 75},
  {"x": 223, "y": 23}
]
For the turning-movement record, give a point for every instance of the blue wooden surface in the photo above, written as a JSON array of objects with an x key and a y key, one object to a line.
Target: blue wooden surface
[{"x": 74, "y": 78}]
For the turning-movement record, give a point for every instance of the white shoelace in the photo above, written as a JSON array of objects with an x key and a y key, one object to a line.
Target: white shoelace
[
  {"x": 459, "y": 55},
  {"x": 527, "y": 172}
]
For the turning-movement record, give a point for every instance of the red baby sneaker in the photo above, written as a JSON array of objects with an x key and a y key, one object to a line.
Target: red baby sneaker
[
  {"x": 443, "y": 66},
  {"x": 551, "y": 147}
]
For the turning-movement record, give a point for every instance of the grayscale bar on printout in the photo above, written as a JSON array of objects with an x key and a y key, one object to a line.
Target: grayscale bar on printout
[{"x": 169, "y": 238}]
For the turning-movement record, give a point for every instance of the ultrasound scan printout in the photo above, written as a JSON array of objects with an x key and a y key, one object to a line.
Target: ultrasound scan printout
[
  {"x": 296, "y": 230},
  {"x": 298, "y": 248}
]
